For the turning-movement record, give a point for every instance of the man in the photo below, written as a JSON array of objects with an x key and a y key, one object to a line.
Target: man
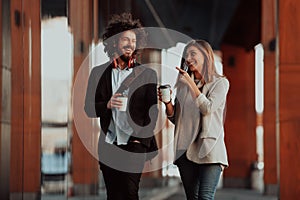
[{"x": 126, "y": 137}]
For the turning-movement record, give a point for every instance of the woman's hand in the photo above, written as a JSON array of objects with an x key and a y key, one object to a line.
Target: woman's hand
[
  {"x": 159, "y": 94},
  {"x": 169, "y": 106},
  {"x": 185, "y": 77}
]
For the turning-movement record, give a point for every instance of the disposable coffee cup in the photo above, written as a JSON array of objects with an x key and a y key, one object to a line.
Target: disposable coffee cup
[
  {"x": 124, "y": 103},
  {"x": 165, "y": 93}
]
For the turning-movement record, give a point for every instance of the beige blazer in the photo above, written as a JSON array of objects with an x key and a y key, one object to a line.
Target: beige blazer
[{"x": 209, "y": 145}]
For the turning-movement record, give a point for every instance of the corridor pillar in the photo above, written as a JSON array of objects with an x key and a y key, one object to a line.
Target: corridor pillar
[
  {"x": 25, "y": 141},
  {"x": 85, "y": 169},
  {"x": 289, "y": 98},
  {"x": 268, "y": 35}
]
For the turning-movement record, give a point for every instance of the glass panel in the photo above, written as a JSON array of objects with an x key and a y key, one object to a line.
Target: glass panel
[{"x": 56, "y": 53}]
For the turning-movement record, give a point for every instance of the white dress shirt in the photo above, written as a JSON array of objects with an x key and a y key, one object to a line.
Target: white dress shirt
[{"x": 119, "y": 129}]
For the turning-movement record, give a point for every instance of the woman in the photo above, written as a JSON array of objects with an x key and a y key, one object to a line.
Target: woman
[{"x": 198, "y": 115}]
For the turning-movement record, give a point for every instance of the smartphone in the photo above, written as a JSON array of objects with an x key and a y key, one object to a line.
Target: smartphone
[{"x": 185, "y": 67}]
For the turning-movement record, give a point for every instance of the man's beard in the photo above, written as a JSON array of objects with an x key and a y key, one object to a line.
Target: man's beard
[{"x": 125, "y": 58}]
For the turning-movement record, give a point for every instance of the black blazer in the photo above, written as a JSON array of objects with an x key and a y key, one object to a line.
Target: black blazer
[{"x": 142, "y": 101}]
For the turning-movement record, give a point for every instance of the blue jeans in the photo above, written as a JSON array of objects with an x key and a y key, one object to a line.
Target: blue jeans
[{"x": 199, "y": 180}]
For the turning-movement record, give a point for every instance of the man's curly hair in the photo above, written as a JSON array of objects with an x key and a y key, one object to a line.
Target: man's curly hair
[{"x": 118, "y": 24}]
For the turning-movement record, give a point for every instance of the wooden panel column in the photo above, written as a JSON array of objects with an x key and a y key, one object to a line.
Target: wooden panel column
[
  {"x": 17, "y": 122},
  {"x": 269, "y": 121},
  {"x": 240, "y": 137},
  {"x": 26, "y": 100},
  {"x": 289, "y": 98},
  {"x": 85, "y": 169}
]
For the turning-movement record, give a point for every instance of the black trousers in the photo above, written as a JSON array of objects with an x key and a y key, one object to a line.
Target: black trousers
[{"x": 122, "y": 184}]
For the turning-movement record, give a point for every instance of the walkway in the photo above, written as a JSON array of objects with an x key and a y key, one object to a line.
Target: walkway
[{"x": 172, "y": 191}]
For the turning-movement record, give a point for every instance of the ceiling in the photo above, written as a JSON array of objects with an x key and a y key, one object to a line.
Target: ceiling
[
  {"x": 202, "y": 19},
  {"x": 235, "y": 22},
  {"x": 245, "y": 26}
]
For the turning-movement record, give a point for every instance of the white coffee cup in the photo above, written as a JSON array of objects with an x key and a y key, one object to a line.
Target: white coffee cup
[
  {"x": 165, "y": 93},
  {"x": 124, "y": 103}
]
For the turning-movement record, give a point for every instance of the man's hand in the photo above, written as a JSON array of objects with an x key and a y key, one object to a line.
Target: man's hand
[{"x": 114, "y": 102}]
